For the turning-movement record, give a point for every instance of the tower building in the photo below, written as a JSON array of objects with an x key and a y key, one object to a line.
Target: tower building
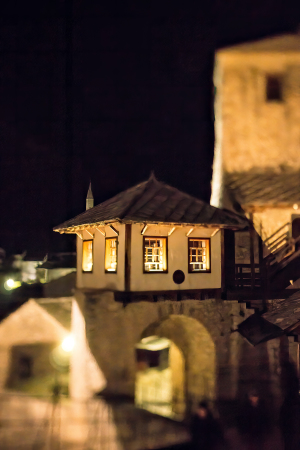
[{"x": 257, "y": 115}]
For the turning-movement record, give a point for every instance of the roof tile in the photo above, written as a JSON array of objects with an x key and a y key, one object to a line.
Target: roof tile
[{"x": 154, "y": 201}]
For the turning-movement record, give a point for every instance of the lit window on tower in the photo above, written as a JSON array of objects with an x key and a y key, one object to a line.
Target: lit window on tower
[
  {"x": 87, "y": 256},
  {"x": 199, "y": 255},
  {"x": 155, "y": 254},
  {"x": 111, "y": 255}
]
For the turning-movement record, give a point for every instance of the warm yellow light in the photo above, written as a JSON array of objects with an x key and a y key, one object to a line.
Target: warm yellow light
[
  {"x": 68, "y": 344},
  {"x": 87, "y": 256},
  {"x": 295, "y": 206},
  {"x": 155, "y": 254},
  {"x": 111, "y": 255},
  {"x": 10, "y": 283}
]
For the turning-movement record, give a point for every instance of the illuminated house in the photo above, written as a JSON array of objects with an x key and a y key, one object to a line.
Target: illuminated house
[
  {"x": 256, "y": 164},
  {"x": 148, "y": 320},
  {"x": 150, "y": 239}
]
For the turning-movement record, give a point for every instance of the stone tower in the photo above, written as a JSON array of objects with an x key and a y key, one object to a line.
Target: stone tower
[
  {"x": 89, "y": 198},
  {"x": 257, "y": 127}
]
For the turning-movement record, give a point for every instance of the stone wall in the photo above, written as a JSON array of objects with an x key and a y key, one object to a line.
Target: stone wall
[
  {"x": 219, "y": 363},
  {"x": 268, "y": 221},
  {"x": 255, "y": 132}
]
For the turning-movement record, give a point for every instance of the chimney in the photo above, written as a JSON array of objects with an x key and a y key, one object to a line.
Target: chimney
[{"x": 89, "y": 198}]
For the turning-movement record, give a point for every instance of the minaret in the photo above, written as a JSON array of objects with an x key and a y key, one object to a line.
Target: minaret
[{"x": 89, "y": 198}]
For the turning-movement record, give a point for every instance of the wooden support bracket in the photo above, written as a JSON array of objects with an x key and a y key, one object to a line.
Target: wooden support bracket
[
  {"x": 215, "y": 232},
  {"x": 144, "y": 229},
  {"x": 79, "y": 234},
  {"x": 101, "y": 231},
  {"x": 189, "y": 232},
  {"x": 114, "y": 230},
  {"x": 91, "y": 234},
  {"x": 171, "y": 231}
]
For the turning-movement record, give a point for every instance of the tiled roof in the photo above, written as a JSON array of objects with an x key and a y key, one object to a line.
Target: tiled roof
[
  {"x": 155, "y": 202},
  {"x": 285, "y": 313},
  {"x": 264, "y": 188},
  {"x": 281, "y": 43}
]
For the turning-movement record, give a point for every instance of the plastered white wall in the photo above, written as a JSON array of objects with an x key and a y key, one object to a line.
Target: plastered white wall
[
  {"x": 139, "y": 281},
  {"x": 177, "y": 260}
]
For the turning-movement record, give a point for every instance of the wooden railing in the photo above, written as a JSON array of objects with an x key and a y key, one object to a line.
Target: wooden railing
[
  {"x": 244, "y": 278},
  {"x": 280, "y": 244},
  {"x": 284, "y": 257},
  {"x": 284, "y": 230}
]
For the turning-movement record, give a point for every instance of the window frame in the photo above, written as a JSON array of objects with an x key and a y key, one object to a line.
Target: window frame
[
  {"x": 209, "y": 254},
  {"x": 143, "y": 250},
  {"x": 269, "y": 79},
  {"x": 117, "y": 256},
  {"x": 87, "y": 271}
]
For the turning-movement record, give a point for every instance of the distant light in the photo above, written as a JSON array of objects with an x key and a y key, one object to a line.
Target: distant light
[
  {"x": 68, "y": 344},
  {"x": 295, "y": 206},
  {"x": 10, "y": 283}
]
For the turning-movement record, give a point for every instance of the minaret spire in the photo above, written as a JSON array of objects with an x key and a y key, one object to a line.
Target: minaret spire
[{"x": 89, "y": 198}]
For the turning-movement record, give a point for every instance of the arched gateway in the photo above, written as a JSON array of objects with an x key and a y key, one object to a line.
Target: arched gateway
[{"x": 175, "y": 366}]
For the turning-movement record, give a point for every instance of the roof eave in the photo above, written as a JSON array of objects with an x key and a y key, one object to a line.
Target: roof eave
[{"x": 74, "y": 229}]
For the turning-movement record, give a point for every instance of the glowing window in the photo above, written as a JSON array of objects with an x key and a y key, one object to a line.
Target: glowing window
[
  {"x": 87, "y": 256},
  {"x": 155, "y": 254},
  {"x": 273, "y": 88},
  {"x": 199, "y": 255},
  {"x": 111, "y": 255}
]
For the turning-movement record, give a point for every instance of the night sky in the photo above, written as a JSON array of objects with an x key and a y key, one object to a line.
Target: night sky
[{"x": 107, "y": 92}]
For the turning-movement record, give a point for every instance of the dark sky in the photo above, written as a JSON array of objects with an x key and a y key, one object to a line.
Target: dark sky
[{"x": 109, "y": 91}]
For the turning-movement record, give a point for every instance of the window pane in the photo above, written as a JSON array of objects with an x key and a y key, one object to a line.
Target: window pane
[
  {"x": 87, "y": 256},
  {"x": 198, "y": 255},
  {"x": 155, "y": 254},
  {"x": 111, "y": 255}
]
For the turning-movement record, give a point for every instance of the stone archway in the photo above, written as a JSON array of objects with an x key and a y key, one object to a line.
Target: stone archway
[{"x": 191, "y": 339}]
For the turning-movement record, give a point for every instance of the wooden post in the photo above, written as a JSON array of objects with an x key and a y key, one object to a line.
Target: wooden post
[
  {"x": 263, "y": 273},
  {"x": 252, "y": 261},
  {"x": 127, "y": 256},
  {"x": 228, "y": 256}
]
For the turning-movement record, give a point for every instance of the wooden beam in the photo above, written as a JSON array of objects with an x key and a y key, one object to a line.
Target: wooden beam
[
  {"x": 79, "y": 234},
  {"x": 171, "y": 231},
  {"x": 127, "y": 256},
  {"x": 114, "y": 230},
  {"x": 144, "y": 229},
  {"x": 189, "y": 232},
  {"x": 101, "y": 231}
]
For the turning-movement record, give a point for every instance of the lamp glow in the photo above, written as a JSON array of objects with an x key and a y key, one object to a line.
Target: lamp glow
[
  {"x": 68, "y": 344},
  {"x": 10, "y": 283}
]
